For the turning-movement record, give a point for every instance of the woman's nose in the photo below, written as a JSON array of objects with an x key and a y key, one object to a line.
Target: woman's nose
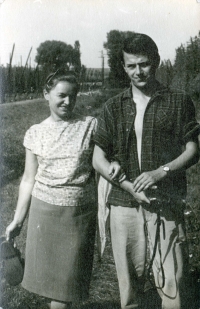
[{"x": 66, "y": 100}]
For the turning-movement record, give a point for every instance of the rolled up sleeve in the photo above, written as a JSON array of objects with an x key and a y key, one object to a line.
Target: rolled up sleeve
[
  {"x": 190, "y": 128},
  {"x": 103, "y": 135}
]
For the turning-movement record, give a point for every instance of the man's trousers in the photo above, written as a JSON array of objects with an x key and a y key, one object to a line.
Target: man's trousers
[{"x": 132, "y": 229}]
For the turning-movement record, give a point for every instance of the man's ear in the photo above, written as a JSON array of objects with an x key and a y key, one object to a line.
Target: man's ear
[{"x": 46, "y": 95}]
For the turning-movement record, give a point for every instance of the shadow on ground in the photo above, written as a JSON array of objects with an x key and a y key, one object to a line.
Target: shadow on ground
[
  {"x": 101, "y": 305},
  {"x": 12, "y": 167}
]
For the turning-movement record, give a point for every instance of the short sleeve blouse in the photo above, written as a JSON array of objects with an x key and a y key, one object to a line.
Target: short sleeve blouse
[{"x": 64, "y": 152}]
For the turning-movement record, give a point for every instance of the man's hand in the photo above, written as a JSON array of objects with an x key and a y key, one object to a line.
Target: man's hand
[
  {"x": 141, "y": 197},
  {"x": 147, "y": 179}
]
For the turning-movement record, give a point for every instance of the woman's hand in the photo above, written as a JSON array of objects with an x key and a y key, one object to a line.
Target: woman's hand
[
  {"x": 115, "y": 172},
  {"x": 139, "y": 197},
  {"x": 13, "y": 230}
]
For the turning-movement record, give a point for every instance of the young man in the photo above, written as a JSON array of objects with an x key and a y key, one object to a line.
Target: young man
[{"x": 152, "y": 132}]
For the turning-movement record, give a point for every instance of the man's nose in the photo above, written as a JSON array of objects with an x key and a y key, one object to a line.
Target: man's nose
[{"x": 138, "y": 69}]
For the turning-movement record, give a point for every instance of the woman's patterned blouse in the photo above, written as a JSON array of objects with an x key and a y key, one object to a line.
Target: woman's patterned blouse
[{"x": 64, "y": 149}]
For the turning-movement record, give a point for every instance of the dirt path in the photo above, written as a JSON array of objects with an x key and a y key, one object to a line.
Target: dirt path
[{"x": 21, "y": 102}]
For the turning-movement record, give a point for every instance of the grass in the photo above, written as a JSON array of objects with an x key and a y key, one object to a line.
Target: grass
[{"x": 16, "y": 118}]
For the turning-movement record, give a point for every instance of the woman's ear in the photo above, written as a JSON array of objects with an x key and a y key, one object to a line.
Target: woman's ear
[
  {"x": 122, "y": 63},
  {"x": 46, "y": 94}
]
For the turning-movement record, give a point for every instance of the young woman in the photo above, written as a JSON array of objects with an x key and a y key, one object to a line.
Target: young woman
[{"x": 59, "y": 187}]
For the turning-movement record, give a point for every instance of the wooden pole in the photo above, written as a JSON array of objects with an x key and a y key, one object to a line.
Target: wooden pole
[
  {"x": 25, "y": 65},
  {"x": 102, "y": 68},
  {"x": 9, "y": 69},
  {"x": 102, "y": 77},
  {"x": 28, "y": 57},
  {"x": 11, "y": 56}
]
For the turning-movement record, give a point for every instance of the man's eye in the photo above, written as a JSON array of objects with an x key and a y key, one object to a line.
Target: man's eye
[
  {"x": 131, "y": 66},
  {"x": 144, "y": 64}
]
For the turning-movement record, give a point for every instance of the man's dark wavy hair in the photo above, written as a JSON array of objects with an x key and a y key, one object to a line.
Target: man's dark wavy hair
[{"x": 141, "y": 44}]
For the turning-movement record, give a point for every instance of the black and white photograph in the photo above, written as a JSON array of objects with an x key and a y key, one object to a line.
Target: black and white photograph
[{"x": 99, "y": 154}]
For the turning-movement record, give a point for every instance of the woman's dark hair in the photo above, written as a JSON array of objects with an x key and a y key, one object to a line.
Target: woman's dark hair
[
  {"x": 61, "y": 75},
  {"x": 141, "y": 44}
]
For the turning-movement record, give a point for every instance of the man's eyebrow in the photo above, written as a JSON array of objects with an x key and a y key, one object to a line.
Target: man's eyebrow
[
  {"x": 142, "y": 62},
  {"x": 71, "y": 94}
]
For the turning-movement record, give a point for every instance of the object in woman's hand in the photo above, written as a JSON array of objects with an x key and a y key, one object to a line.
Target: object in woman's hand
[
  {"x": 15, "y": 232},
  {"x": 12, "y": 263}
]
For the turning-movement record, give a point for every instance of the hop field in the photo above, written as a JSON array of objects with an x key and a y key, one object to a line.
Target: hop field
[{"x": 16, "y": 118}]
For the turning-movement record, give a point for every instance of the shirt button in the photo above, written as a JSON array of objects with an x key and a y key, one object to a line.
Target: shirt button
[{"x": 127, "y": 130}]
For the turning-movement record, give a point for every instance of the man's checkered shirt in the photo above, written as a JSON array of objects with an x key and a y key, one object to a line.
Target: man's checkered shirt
[{"x": 169, "y": 123}]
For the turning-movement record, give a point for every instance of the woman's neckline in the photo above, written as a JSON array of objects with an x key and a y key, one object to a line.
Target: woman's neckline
[{"x": 50, "y": 121}]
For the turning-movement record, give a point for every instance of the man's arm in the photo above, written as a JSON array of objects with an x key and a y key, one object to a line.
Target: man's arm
[
  {"x": 189, "y": 157},
  {"x": 101, "y": 165}
]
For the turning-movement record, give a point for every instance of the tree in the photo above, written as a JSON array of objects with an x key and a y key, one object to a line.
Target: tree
[
  {"x": 76, "y": 57},
  {"x": 83, "y": 73},
  {"x": 187, "y": 66},
  {"x": 52, "y": 55},
  {"x": 117, "y": 76},
  {"x": 165, "y": 72},
  {"x": 180, "y": 79}
]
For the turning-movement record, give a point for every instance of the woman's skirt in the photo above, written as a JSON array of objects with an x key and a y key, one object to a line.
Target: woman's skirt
[{"x": 59, "y": 250}]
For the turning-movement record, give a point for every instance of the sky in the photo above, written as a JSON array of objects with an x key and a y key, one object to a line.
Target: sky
[{"x": 28, "y": 23}]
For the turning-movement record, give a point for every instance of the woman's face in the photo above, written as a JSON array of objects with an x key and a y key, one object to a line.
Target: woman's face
[{"x": 62, "y": 99}]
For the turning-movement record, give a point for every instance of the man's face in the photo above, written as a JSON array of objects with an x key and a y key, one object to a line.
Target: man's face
[{"x": 138, "y": 68}]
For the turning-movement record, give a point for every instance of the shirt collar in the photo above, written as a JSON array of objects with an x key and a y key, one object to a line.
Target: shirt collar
[{"x": 159, "y": 90}]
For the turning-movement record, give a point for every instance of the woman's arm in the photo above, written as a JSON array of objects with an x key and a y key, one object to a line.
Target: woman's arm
[
  {"x": 101, "y": 165},
  {"x": 24, "y": 198}
]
